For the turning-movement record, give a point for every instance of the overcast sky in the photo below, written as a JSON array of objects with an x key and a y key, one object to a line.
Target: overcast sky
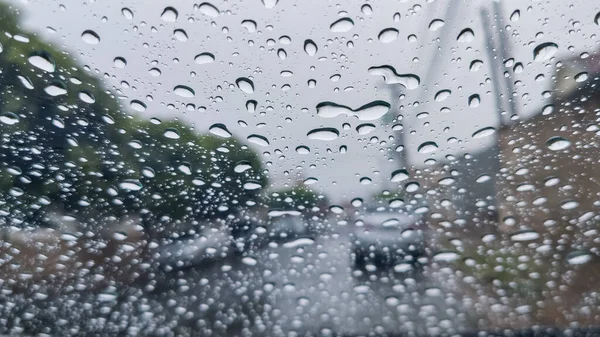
[{"x": 285, "y": 117}]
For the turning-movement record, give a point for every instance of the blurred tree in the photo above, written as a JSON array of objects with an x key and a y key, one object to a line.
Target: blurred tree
[{"x": 66, "y": 143}]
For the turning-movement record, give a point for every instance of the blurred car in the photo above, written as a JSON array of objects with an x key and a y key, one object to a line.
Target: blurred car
[
  {"x": 288, "y": 226},
  {"x": 388, "y": 238}
]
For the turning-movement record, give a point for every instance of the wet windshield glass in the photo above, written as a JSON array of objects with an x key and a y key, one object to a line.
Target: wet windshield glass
[{"x": 292, "y": 168}]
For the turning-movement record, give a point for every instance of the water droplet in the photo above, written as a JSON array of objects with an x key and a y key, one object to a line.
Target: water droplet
[
  {"x": 427, "y": 147},
  {"x": 326, "y": 134},
  {"x": 171, "y": 133},
  {"x": 368, "y": 112},
  {"x": 310, "y": 47},
  {"x": 364, "y": 129},
  {"x": 270, "y": 3},
  {"x": 597, "y": 19},
  {"x": 475, "y": 65},
  {"x": 399, "y": 176},
  {"x": 204, "y": 58},
  {"x": 483, "y": 132},
  {"x": 169, "y": 14},
  {"x": 9, "y": 118},
  {"x": 258, "y": 140},
  {"x": 184, "y": 91},
  {"x": 474, "y": 100},
  {"x": 252, "y": 185},
  {"x": 120, "y": 62},
  {"x": 576, "y": 258},
  {"x": 282, "y": 54},
  {"x": 56, "y": 89},
  {"x": 154, "y": 72},
  {"x": 342, "y": 25},
  {"x": 445, "y": 257},
  {"x": 303, "y": 149},
  {"x": 131, "y": 185},
  {"x": 581, "y": 77},
  {"x": 42, "y": 60},
  {"x": 547, "y": 109},
  {"x": 250, "y": 25},
  {"x": 208, "y": 9},
  {"x": 138, "y": 105},
  {"x": 127, "y": 13},
  {"x": 557, "y": 143},
  {"x": 356, "y": 202},
  {"x": 242, "y": 166},
  {"x": 90, "y": 37},
  {"x": 442, "y": 95},
  {"x": 25, "y": 81},
  {"x": 86, "y": 97},
  {"x": 446, "y": 181},
  {"x": 515, "y": 15},
  {"x": 245, "y": 85},
  {"x": 310, "y": 181},
  {"x": 544, "y": 51},
  {"x": 388, "y": 35},
  {"x": 390, "y": 76},
  {"x": 436, "y": 24},
  {"x": 466, "y": 35},
  {"x": 525, "y": 235},
  {"x": 366, "y": 9},
  {"x": 570, "y": 204},
  {"x": 220, "y": 130},
  {"x": 180, "y": 35},
  {"x": 249, "y": 261}
]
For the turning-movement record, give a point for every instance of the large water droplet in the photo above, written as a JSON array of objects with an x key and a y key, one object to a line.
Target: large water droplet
[
  {"x": 90, "y": 37},
  {"x": 86, "y": 97},
  {"x": 581, "y": 77},
  {"x": 576, "y": 258},
  {"x": 388, "y": 35},
  {"x": 368, "y": 112},
  {"x": 427, "y": 147},
  {"x": 515, "y": 15},
  {"x": 172, "y": 133},
  {"x": 220, "y": 130},
  {"x": 597, "y": 19},
  {"x": 131, "y": 185},
  {"x": 310, "y": 47},
  {"x": 184, "y": 91},
  {"x": 545, "y": 51},
  {"x": 442, "y": 95},
  {"x": 252, "y": 185},
  {"x": 364, "y": 129},
  {"x": 466, "y": 35},
  {"x": 56, "y": 89},
  {"x": 390, "y": 76},
  {"x": 399, "y": 175},
  {"x": 475, "y": 65},
  {"x": 445, "y": 257},
  {"x": 250, "y": 25},
  {"x": 245, "y": 85},
  {"x": 208, "y": 9},
  {"x": 180, "y": 35},
  {"x": 270, "y": 3},
  {"x": 557, "y": 143},
  {"x": 366, "y": 9},
  {"x": 436, "y": 24},
  {"x": 120, "y": 62},
  {"x": 204, "y": 58},
  {"x": 127, "y": 13},
  {"x": 242, "y": 166},
  {"x": 342, "y": 25},
  {"x": 9, "y": 118},
  {"x": 525, "y": 235},
  {"x": 138, "y": 105},
  {"x": 474, "y": 100},
  {"x": 169, "y": 14},
  {"x": 326, "y": 134},
  {"x": 258, "y": 140},
  {"x": 303, "y": 149},
  {"x": 483, "y": 132},
  {"x": 42, "y": 60}
]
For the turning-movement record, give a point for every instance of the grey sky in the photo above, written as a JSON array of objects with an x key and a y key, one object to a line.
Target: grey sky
[{"x": 240, "y": 53}]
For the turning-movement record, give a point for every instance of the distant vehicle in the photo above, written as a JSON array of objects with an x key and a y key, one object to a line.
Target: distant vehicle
[
  {"x": 388, "y": 238},
  {"x": 288, "y": 226}
]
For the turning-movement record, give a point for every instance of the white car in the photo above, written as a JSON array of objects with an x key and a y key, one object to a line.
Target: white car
[{"x": 388, "y": 238}]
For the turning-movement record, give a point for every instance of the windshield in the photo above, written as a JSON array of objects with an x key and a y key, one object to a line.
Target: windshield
[{"x": 222, "y": 168}]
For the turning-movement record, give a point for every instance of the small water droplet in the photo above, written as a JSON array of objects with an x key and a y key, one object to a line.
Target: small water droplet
[
  {"x": 184, "y": 91},
  {"x": 557, "y": 143},
  {"x": 544, "y": 51},
  {"x": 245, "y": 85},
  {"x": 269, "y": 3},
  {"x": 388, "y": 35},
  {"x": 326, "y": 134},
  {"x": 310, "y": 47},
  {"x": 342, "y": 25},
  {"x": 208, "y": 9},
  {"x": 220, "y": 130},
  {"x": 90, "y": 37},
  {"x": 169, "y": 14}
]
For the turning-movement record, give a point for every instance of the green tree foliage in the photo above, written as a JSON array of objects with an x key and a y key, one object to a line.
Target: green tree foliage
[{"x": 81, "y": 153}]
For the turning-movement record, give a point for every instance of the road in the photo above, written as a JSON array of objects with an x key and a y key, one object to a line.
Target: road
[{"x": 286, "y": 289}]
